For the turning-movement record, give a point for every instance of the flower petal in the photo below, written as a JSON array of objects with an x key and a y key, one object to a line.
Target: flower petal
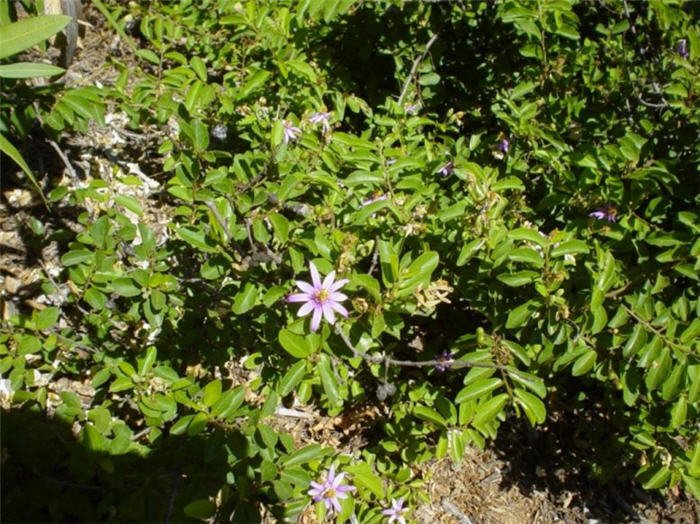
[
  {"x": 338, "y": 284},
  {"x": 328, "y": 312},
  {"x": 306, "y": 308},
  {"x": 299, "y": 297},
  {"x": 340, "y": 309},
  {"x": 328, "y": 281},
  {"x": 337, "y": 297},
  {"x": 336, "y": 504},
  {"x": 315, "y": 276},
  {"x": 305, "y": 286},
  {"x": 316, "y": 320}
]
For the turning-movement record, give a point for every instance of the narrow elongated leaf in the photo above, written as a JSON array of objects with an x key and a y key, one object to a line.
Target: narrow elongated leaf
[
  {"x": 23, "y": 34},
  {"x": 29, "y": 70},
  {"x": 11, "y": 151}
]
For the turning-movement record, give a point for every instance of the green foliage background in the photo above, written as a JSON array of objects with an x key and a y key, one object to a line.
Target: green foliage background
[{"x": 549, "y": 309}]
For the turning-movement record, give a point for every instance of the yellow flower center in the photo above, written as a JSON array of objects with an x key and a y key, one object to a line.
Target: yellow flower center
[{"x": 322, "y": 295}]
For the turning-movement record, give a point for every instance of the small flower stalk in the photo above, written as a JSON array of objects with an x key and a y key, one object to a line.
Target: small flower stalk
[
  {"x": 290, "y": 131},
  {"x": 330, "y": 490},
  {"x": 396, "y": 512},
  {"x": 607, "y": 212},
  {"x": 320, "y": 297}
]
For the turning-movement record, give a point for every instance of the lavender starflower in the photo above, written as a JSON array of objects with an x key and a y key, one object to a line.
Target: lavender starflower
[
  {"x": 445, "y": 361},
  {"x": 322, "y": 118},
  {"x": 330, "y": 490},
  {"x": 411, "y": 109},
  {"x": 682, "y": 48},
  {"x": 290, "y": 131},
  {"x": 607, "y": 212},
  {"x": 447, "y": 169},
  {"x": 376, "y": 197},
  {"x": 503, "y": 146},
  {"x": 396, "y": 512},
  {"x": 322, "y": 297}
]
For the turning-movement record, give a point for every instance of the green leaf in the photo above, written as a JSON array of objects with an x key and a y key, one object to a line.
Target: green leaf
[
  {"x": 426, "y": 413},
  {"x": 125, "y": 287},
  {"x": 533, "y": 406},
  {"x": 29, "y": 70},
  {"x": 478, "y": 389},
  {"x": 569, "y": 247},
  {"x": 245, "y": 299},
  {"x": 658, "y": 479},
  {"x": 364, "y": 477},
  {"x": 254, "y": 82},
  {"x": 295, "y": 345},
  {"x": 527, "y": 255},
  {"x": 46, "y": 318},
  {"x": 519, "y": 278},
  {"x": 200, "y": 509},
  {"x": 129, "y": 203},
  {"x": 292, "y": 377},
  {"x": 148, "y": 361},
  {"x": 303, "y": 456},
  {"x": 76, "y": 256},
  {"x": 418, "y": 272},
  {"x": 487, "y": 411},
  {"x": 328, "y": 380},
  {"x": 584, "y": 363},
  {"x": 521, "y": 314},
  {"x": 228, "y": 403},
  {"x": 197, "y": 238},
  {"x": 23, "y": 34},
  {"x": 212, "y": 393}
]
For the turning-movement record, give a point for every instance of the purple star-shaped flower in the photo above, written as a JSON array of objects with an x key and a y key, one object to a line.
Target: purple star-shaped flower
[
  {"x": 322, "y": 118},
  {"x": 330, "y": 490},
  {"x": 320, "y": 297},
  {"x": 445, "y": 361},
  {"x": 607, "y": 212},
  {"x": 682, "y": 48},
  {"x": 396, "y": 511},
  {"x": 504, "y": 145},
  {"x": 447, "y": 169},
  {"x": 290, "y": 131}
]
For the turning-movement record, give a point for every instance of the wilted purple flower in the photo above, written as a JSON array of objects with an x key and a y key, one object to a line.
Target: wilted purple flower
[
  {"x": 290, "y": 132},
  {"x": 219, "y": 132},
  {"x": 682, "y": 48},
  {"x": 322, "y": 297},
  {"x": 322, "y": 118},
  {"x": 330, "y": 490},
  {"x": 396, "y": 512},
  {"x": 374, "y": 198},
  {"x": 607, "y": 212},
  {"x": 503, "y": 146},
  {"x": 445, "y": 361},
  {"x": 447, "y": 169}
]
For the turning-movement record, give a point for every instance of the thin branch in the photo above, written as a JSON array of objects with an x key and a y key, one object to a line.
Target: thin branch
[
  {"x": 64, "y": 158},
  {"x": 658, "y": 333},
  {"x": 414, "y": 68},
  {"x": 457, "y": 364},
  {"x": 220, "y": 220}
]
